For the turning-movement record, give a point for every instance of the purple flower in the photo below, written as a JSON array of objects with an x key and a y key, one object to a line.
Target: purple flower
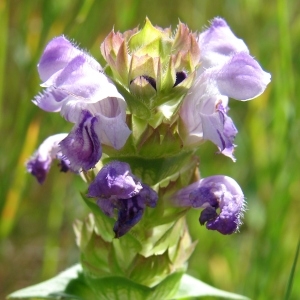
[
  {"x": 39, "y": 164},
  {"x": 212, "y": 194},
  {"x": 77, "y": 88},
  {"x": 117, "y": 189},
  {"x": 226, "y": 70}
]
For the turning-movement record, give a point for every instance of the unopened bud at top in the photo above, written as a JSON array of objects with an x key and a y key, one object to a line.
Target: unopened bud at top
[{"x": 153, "y": 64}]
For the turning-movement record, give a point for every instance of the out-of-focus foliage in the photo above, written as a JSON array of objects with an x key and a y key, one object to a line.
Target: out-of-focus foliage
[{"x": 36, "y": 221}]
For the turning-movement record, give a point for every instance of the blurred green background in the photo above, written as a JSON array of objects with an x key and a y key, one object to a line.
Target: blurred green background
[{"x": 37, "y": 240}]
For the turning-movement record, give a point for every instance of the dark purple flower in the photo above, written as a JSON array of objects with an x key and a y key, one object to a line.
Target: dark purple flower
[
  {"x": 118, "y": 190},
  {"x": 76, "y": 86},
  {"x": 212, "y": 194},
  {"x": 39, "y": 164},
  {"x": 226, "y": 70}
]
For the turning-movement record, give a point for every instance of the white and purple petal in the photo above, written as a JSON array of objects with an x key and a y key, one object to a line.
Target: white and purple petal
[
  {"x": 219, "y": 128},
  {"x": 39, "y": 164}
]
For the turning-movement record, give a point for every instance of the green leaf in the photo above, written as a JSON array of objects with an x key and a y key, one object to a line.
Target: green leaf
[
  {"x": 192, "y": 287},
  {"x": 167, "y": 288},
  {"x": 114, "y": 288},
  {"x": 72, "y": 284},
  {"x": 118, "y": 288},
  {"x": 69, "y": 284}
]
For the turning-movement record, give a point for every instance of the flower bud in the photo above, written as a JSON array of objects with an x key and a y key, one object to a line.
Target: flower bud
[{"x": 153, "y": 64}]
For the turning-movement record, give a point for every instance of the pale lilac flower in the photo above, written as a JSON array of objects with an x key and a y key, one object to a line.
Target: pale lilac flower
[
  {"x": 77, "y": 88},
  {"x": 226, "y": 70},
  {"x": 212, "y": 194},
  {"x": 116, "y": 188},
  {"x": 39, "y": 164}
]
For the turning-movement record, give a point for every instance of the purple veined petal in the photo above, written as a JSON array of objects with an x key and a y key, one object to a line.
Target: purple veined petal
[
  {"x": 57, "y": 54},
  {"x": 242, "y": 78},
  {"x": 115, "y": 181},
  {"x": 219, "y": 129},
  {"x": 110, "y": 113},
  {"x": 39, "y": 164},
  {"x": 218, "y": 43},
  {"x": 82, "y": 146}
]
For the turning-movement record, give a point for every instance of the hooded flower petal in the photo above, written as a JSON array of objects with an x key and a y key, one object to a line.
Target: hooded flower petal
[
  {"x": 56, "y": 56},
  {"x": 218, "y": 43},
  {"x": 77, "y": 82},
  {"x": 116, "y": 188},
  {"x": 39, "y": 164},
  {"x": 213, "y": 193}
]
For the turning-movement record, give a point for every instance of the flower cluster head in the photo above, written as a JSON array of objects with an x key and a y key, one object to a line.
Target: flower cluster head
[
  {"x": 117, "y": 189},
  {"x": 212, "y": 194},
  {"x": 160, "y": 96},
  {"x": 155, "y": 65}
]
